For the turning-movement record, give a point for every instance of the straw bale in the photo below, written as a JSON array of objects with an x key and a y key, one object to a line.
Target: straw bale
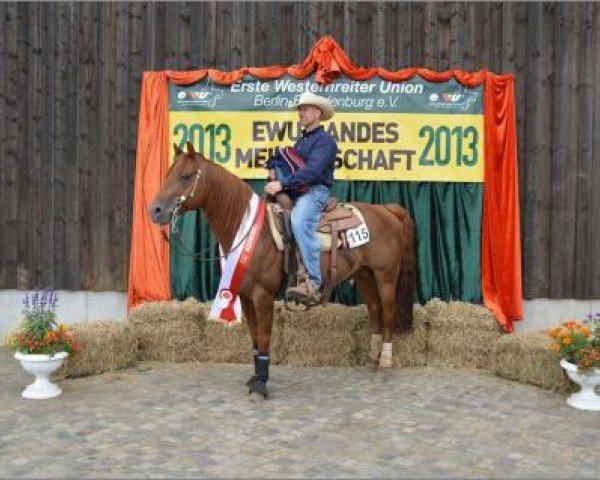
[
  {"x": 106, "y": 346},
  {"x": 471, "y": 349},
  {"x": 322, "y": 336},
  {"x": 170, "y": 331},
  {"x": 527, "y": 358},
  {"x": 409, "y": 349},
  {"x": 455, "y": 316},
  {"x": 233, "y": 344}
]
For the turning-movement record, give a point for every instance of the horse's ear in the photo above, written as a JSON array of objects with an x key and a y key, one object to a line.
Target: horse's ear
[
  {"x": 190, "y": 149},
  {"x": 178, "y": 150}
]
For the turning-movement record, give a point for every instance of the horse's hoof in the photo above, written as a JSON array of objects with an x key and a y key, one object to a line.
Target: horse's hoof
[
  {"x": 259, "y": 387},
  {"x": 251, "y": 380}
]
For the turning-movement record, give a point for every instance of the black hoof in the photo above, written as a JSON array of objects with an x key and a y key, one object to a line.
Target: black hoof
[
  {"x": 258, "y": 387},
  {"x": 251, "y": 380}
]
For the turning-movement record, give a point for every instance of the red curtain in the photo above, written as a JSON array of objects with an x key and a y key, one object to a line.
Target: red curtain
[{"x": 500, "y": 249}]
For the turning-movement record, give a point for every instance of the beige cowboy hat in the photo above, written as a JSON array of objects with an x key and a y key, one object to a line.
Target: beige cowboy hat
[{"x": 322, "y": 103}]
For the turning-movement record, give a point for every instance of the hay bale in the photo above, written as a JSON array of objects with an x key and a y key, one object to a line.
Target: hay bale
[
  {"x": 233, "y": 344},
  {"x": 527, "y": 358},
  {"x": 322, "y": 336},
  {"x": 460, "y": 316},
  {"x": 170, "y": 331},
  {"x": 106, "y": 346},
  {"x": 461, "y": 334},
  {"x": 409, "y": 349}
]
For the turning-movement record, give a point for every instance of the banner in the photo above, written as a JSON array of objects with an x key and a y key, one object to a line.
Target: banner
[{"x": 413, "y": 130}]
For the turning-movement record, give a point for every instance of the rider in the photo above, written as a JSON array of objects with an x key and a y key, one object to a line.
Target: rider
[{"x": 315, "y": 178}]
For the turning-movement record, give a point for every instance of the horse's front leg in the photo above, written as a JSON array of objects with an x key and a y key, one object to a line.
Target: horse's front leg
[
  {"x": 263, "y": 309},
  {"x": 250, "y": 314}
]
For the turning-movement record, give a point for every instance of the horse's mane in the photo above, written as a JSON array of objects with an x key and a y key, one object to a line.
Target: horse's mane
[{"x": 225, "y": 194}]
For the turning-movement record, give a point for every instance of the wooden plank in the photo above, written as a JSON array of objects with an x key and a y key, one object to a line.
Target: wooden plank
[
  {"x": 25, "y": 154},
  {"x": 594, "y": 215},
  {"x": 36, "y": 221},
  {"x": 583, "y": 232},
  {"x": 46, "y": 140},
  {"x": 457, "y": 31},
  {"x": 134, "y": 73},
  {"x": 119, "y": 137},
  {"x": 10, "y": 144},
  {"x": 390, "y": 46},
  {"x": 364, "y": 47},
  {"x": 520, "y": 34},
  {"x": 288, "y": 51},
  {"x": 430, "y": 53},
  {"x": 4, "y": 169},
  {"x": 172, "y": 26},
  {"x": 209, "y": 35},
  {"x": 443, "y": 19},
  {"x": 378, "y": 36},
  {"x": 186, "y": 43},
  {"x": 87, "y": 141},
  {"x": 240, "y": 45},
  {"x": 350, "y": 30},
  {"x": 223, "y": 60},
  {"x": 158, "y": 15},
  {"x": 538, "y": 135},
  {"x": 402, "y": 36},
  {"x": 262, "y": 29},
  {"x": 495, "y": 36},
  {"x": 60, "y": 149},
  {"x": 417, "y": 41},
  {"x": 572, "y": 146},
  {"x": 300, "y": 20},
  {"x": 562, "y": 228},
  {"x": 72, "y": 159}
]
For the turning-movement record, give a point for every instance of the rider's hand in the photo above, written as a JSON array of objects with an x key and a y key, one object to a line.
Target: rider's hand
[
  {"x": 273, "y": 187},
  {"x": 271, "y": 174}
]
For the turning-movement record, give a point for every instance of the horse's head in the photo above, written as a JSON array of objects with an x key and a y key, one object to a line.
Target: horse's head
[{"x": 181, "y": 190}]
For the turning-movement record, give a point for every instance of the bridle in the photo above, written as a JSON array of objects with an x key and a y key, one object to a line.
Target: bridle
[{"x": 179, "y": 201}]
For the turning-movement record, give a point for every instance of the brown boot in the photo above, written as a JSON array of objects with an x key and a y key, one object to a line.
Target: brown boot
[{"x": 304, "y": 293}]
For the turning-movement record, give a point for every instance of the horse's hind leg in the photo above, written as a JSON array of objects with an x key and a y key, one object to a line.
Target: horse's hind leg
[
  {"x": 250, "y": 314},
  {"x": 365, "y": 284},
  {"x": 386, "y": 286}
]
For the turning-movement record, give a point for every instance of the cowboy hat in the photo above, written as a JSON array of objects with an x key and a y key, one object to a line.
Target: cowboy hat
[{"x": 322, "y": 103}]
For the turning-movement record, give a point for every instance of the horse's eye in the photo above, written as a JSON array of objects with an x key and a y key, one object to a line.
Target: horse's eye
[{"x": 186, "y": 177}]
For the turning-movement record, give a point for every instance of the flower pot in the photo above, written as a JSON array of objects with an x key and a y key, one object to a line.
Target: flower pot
[
  {"x": 41, "y": 366},
  {"x": 586, "y": 398}
]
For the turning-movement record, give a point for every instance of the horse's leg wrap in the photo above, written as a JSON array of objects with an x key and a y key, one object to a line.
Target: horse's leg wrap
[
  {"x": 254, "y": 377},
  {"x": 376, "y": 346},
  {"x": 263, "y": 367},
  {"x": 385, "y": 361}
]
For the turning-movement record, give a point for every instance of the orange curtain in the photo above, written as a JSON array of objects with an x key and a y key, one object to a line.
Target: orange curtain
[
  {"x": 501, "y": 234},
  {"x": 501, "y": 257}
]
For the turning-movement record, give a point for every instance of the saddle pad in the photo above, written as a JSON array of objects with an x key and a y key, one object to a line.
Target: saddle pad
[{"x": 324, "y": 238}]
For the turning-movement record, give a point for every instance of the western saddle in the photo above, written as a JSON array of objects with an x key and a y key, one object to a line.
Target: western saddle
[{"x": 334, "y": 221}]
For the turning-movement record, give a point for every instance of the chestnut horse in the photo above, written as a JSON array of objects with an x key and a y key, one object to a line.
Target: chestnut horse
[{"x": 383, "y": 269}]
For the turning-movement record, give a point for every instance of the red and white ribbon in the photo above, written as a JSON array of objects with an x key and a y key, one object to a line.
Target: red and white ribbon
[{"x": 226, "y": 307}]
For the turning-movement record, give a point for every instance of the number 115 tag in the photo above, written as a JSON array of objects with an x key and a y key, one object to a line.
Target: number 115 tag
[{"x": 357, "y": 236}]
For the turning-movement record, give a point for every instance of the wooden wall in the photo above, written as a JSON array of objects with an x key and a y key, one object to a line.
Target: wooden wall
[{"x": 69, "y": 95}]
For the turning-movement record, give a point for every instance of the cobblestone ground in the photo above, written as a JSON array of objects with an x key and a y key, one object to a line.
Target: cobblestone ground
[{"x": 196, "y": 420}]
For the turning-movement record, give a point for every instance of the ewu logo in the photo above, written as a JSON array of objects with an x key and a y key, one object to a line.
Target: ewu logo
[
  {"x": 207, "y": 95},
  {"x": 460, "y": 100}
]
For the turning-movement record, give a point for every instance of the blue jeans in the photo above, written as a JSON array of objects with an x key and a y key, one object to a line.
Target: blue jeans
[{"x": 305, "y": 220}]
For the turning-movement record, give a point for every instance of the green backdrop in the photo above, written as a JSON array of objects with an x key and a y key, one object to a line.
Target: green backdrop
[{"x": 448, "y": 228}]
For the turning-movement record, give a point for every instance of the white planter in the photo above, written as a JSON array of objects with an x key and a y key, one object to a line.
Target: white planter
[
  {"x": 586, "y": 398},
  {"x": 41, "y": 366}
]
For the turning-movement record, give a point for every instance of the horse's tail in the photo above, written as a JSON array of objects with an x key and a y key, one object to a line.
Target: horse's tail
[{"x": 405, "y": 286}]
